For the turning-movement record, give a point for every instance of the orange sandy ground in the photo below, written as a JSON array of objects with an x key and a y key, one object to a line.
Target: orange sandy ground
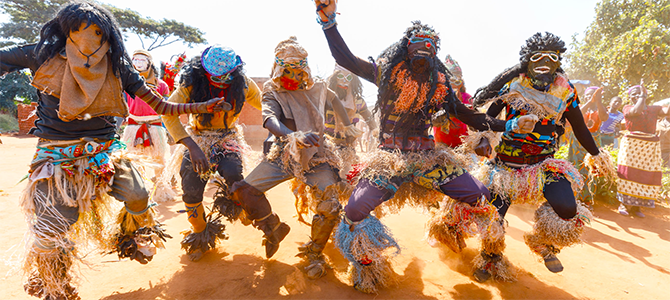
[{"x": 622, "y": 258}]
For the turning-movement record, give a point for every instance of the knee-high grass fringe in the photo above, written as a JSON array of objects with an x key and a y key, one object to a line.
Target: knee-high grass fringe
[
  {"x": 95, "y": 212},
  {"x": 497, "y": 265},
  {"x": 218, "y": 142},
  {"x": 367, "y": 248},
  {"x": 526, "y": 185},
  {"x": 601, "y": 165},
  {"x": 455, "y": 221},
  {"x": 223, "y": 204},
  {"x": 308, "y": 197},
  {"x": 141, "y": 244},
  {"x": 206, "y": 239},
  {"x": 138, "y": 235},
  {"x": 552, "y": 232},
  {"x": 287, "y": 153},
  {"x": 51, "y": 272}
]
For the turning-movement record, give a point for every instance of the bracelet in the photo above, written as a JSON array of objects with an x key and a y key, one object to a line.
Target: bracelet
[
  {"x": 326, "y": 25},
  {"x": 512, "y": 125}
]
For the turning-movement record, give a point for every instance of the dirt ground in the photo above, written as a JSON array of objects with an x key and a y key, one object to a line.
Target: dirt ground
[{"x": 622, "y": 258}]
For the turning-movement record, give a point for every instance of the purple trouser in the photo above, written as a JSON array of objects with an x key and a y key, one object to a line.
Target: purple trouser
[{"x": 367, "y": 196}]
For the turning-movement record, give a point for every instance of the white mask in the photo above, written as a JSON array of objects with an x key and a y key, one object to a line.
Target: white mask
[{"x": 141, "y": 62}]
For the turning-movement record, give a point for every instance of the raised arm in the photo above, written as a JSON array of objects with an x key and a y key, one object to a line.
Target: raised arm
[
  {"x": 15, "y": 58},
  {"x": 346, "y": 59}
]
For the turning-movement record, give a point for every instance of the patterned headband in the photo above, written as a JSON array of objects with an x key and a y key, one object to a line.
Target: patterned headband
[{"x": 301, "y": 64}]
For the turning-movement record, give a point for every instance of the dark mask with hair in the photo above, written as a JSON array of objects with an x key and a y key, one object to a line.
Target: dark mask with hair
[
  {"x": 420, "y": 64},
  {"x": 542, "y": 71}
]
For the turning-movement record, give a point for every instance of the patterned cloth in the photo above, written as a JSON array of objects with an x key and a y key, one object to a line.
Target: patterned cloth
[
  {"x": 549, "y": 105},
  {"x": 219, "y": 60},
  {"x": 97, "y": 154},
  {"x": 639, "y": 169}
]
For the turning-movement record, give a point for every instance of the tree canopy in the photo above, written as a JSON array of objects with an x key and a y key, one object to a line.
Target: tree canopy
[
  {"x": 627, "y": 43},
  {"x": 28, "y": 16},
  {"x": 15, "y": 86}
]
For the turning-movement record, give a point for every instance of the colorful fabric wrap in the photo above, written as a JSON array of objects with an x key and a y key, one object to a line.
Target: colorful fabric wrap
[
  {"x": 414, "y": 177},
  {"x": 218, "y": 60},
  {"x": 301, "y": 64},
  {"x": 429, "y": 169},
  {"x": 639, "y": 169},
  {"x": 97, "y": 156},
  {"x": 526, "y": 184}
]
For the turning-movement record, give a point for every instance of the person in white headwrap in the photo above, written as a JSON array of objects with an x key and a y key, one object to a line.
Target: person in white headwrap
[{"x": 145, "y": 133}]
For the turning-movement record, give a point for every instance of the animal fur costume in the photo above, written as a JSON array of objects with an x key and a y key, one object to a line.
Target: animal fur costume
[
  {"x": 217, "y": 136},
  {"x": 145, "y": 134},
  {"x": 81, "y": 70},
  {"x": 413, "y": 87},
  {"x": 293, "y": 110},
  {"x": 524, "y": 170}
]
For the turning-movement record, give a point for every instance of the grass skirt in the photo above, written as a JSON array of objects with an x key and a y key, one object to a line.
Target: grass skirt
[{"x": 526, "y": 185}]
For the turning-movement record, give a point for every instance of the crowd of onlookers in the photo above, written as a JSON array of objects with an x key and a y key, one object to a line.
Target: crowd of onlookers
[{"x": 641, "y": 133}]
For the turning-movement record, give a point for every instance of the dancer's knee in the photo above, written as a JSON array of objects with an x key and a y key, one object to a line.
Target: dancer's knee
[
  {"x": 355, "y": 212},
  {"x": 565, "y": 210}
]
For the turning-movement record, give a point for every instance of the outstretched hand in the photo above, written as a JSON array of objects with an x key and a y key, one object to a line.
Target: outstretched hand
[
  {"x": 218, "y": 105},
  {"x": 325, "y": 8},
  {"x": 310, "y": 139},
  {"x": 527, "y": 124},
  {"x": 483, "y": 148}
]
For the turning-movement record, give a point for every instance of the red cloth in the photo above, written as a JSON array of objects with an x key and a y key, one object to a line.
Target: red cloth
[
  {"x": 592, "y": 120},
  {"x": 142, "y": 136},
  {"x": 645, "y": 122},
  {"x": 457, "y": 129},
  {"x": 137, "y": 106}
]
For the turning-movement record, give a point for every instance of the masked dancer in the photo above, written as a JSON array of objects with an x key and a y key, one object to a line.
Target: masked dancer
[
  {"x": 413, "y": 86},
  {"x": 293, "y": 111},
  {"x": 81, "y": 70},
  {"x": 213, "y": 142},
  {"x": 524, "y": 170}
]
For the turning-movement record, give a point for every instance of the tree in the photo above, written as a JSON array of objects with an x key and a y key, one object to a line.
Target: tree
[
  {"x": 627, "y": 43},
  {"x": 160, "y": 33},
  {"x": 28, "y": 16},
  {"x": 15, "y": 87}
]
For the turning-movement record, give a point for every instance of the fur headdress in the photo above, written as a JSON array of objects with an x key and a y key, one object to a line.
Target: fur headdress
[{"x": 289, "y": 53}]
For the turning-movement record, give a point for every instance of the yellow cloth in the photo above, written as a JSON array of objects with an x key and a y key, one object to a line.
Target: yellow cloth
[{"x": 182, "y": 95}]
